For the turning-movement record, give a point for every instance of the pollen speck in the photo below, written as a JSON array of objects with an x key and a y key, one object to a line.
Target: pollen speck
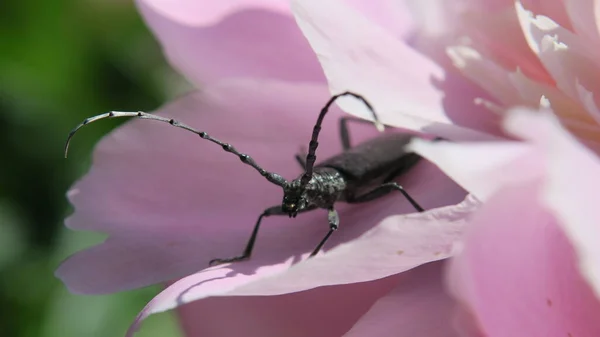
[
  {"x": 437, "y": 253},
  {"x": 549, "y": 302},
  {"x": 400, "y": 252}
]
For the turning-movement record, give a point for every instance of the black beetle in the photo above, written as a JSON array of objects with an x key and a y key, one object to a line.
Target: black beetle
[{"x": 358, "y": 174}]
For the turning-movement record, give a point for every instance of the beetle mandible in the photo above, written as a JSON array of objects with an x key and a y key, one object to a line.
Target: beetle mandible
[{"x": 358, "y": 174}]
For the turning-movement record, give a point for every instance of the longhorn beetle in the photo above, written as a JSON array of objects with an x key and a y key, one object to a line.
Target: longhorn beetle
[{"x": 358, "y": 174}]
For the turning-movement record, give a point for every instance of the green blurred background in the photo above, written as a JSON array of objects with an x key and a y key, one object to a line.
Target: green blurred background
[{"x": 62, "y": 61}]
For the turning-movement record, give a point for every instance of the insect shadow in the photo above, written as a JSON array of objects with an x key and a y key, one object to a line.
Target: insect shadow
[{"x": 358, "y": 174}]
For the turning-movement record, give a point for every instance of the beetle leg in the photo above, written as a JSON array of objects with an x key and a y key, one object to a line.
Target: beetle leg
[
  {"x": 275, "y": 210},
  {"x": 382, "y": 190},
  {"x": 334, "y": 223},
  {"x": 344, "y": 131}
]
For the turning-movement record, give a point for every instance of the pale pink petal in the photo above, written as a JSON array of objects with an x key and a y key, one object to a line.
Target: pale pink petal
[
  {"x": 466, "y": 323},
  {"x": 534, "y": 28},
  {"x": 499, "y": 36},
  {"x": 206, "y": 40},
  {"x": 517, "y": 272},
  {"x": 171, "y": 201},
  {"x": 434, "y": 18},
  {"x": 487, "y": 5},
  {"x": 406, "y": 88},
  {"x": 395, "y": 245},
  {"x": 558, "y": 165},
  {"x": 553, "y": 9},
  {"x": 320, "y": 312},
  {"x": 483, "y": 168},
  {"x": 570, "y": 188},
  {"x": 597, "y": 14},
  {"x": 566, "y": 57},
  {"x": 209, "y": 12},
  {"x": 394, "y": 16},
  {"x": 581, "y": 14},
  {"x": 417, "y": 307},
  {"x": 532, "y": 92},
  {"x": 586, "y": 98},
  {"x": 581, "y": 120},
  {"x": 490, "y": 27},
  {"x": 440, "y": 17},
  {"x": 131, "y": 261},
  {"x": 486, "y": 73}
]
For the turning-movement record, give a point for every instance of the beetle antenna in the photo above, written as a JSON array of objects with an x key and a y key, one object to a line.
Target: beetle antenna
[
  {"x": 312, "y": 147},
  {"x": 246, "y": 159}
]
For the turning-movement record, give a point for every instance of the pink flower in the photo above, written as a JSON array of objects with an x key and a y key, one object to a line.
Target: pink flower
[
  {"x": 517, "y": 58},
  {"x": 170, "y": 202}
]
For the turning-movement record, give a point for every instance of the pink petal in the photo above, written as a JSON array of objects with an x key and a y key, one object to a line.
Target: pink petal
[
  {"x": 565, "y": 55},
  {"x": 581, "y": 120},
  {"x": 499, "y": 36},
  {"x": 417, "y": 307},
  {"x": 434, "y": 18},
  {"x": 532, "y": 92},
  {"x": 553, "y": 9},
  {"x": 325, "y": 311},
  {"x": 572, "y": 182},
  {"x": 405, "y": 87},
  {"x": 394, "y": 16},
  {"x": 171, "y": 202},
  {"x": 396, "y": 245},
  {"x": 566, "y": 168},
  {"x": 206, "y": 40},
  {"x": 581, "y": 14},
  {"x": 209, "y": 12},
  {"x": 518, "y": 274},
  {"x": 467, "y": 324},
  {"x": 491, "y": 27},
  {"x": 597, "y": 14},
  {"x": 483, "y": 168},
  {"x": 487, "y": 5},
  {"x": 486, "y": 73},
  {"x": 586, "y": 98}
]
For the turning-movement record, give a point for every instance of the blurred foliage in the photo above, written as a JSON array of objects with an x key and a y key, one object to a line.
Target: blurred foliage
[{"x": 62, "y": 61}]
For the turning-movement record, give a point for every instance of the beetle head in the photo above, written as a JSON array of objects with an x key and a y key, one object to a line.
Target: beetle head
[{"x": 294, "y": 198}]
